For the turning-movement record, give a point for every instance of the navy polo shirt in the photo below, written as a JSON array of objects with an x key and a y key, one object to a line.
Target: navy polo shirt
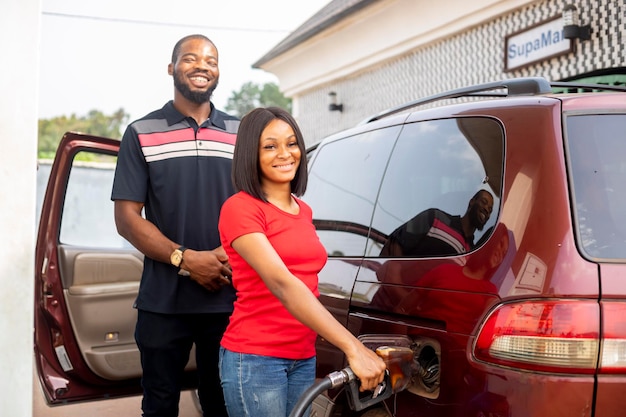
[{"x": 182, "y": 174}]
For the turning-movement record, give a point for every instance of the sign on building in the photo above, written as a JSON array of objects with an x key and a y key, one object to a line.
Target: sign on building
[{"x": 537, "y": 43}]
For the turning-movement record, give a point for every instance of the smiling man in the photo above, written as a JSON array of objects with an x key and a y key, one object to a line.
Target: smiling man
[{"x": 174, "y": 164}]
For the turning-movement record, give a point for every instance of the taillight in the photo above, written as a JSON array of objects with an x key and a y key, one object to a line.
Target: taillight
[
  {"x": 546, "y": 336},
  {"x": 613, "y": 357}
]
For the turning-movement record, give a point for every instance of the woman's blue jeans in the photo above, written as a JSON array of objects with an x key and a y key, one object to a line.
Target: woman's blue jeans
[{"x": 263, "y": 386}]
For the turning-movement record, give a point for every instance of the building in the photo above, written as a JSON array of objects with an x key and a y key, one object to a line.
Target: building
[{"x": 360, "y": 57}]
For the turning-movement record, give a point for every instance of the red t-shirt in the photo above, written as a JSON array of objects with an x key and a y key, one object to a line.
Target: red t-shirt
[{"x": 260, "y": 324}]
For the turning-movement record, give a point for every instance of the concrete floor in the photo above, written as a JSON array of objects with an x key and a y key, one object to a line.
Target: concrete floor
[{"x": 127, "y": 407}]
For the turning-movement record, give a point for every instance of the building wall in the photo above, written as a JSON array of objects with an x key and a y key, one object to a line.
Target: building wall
[
  {"x": 19, "y": 48},
  {"x": 474, "y": 56}
]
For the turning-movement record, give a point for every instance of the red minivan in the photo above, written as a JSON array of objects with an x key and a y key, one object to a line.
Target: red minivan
[{"x": 523, "y": 315}]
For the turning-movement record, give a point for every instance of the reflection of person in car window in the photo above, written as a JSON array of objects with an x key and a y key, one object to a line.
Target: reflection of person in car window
[{"x": 434, "y": 232}]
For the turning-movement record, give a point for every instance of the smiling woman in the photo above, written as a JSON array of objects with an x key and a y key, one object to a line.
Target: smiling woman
[
  {"x": 275, "y": 254},
  {"x": 279, "y": 159}
]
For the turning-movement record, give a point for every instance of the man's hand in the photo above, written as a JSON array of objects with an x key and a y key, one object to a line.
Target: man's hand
[{"x": 208, "y": 268}]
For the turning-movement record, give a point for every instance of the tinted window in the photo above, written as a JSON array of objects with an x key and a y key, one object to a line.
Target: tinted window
[
  {"x": 87, "y": 218},
  {"x": 597, "y": 145},
  {"x": 435, "y": 169},
  {"x": 343, "y": 184}
]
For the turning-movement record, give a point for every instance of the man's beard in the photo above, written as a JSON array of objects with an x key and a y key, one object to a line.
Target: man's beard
[
  {"x": 475, "y": 216},
  {"x": 198, "y": 97}
]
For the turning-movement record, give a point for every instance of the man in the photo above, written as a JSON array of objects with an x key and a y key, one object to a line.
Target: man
[
  {"x": 175, "y": 164},
  {"x": 434, "y": 232}
]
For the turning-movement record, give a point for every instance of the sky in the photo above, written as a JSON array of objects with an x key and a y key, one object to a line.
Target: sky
[{"x": 107, "y": 55}]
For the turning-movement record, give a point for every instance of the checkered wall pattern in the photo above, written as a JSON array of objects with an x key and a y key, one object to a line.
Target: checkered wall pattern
[{"x": 473, "y": 57}]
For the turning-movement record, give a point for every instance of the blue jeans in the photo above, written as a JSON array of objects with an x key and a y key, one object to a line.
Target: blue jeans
[{"x": 263, "y": 386}]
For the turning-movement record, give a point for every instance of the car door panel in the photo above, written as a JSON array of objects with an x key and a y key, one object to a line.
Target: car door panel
[
  {"x": 86, "y": 281},
  {"x": 98, "y": 282}
]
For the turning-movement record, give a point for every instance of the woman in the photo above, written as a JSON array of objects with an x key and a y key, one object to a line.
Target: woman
[{"x": 267, "y": 359}]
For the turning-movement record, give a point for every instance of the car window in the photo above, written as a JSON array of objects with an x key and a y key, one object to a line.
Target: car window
[
  {"x": 87, "y": 218},
  {"x": 597, "y": 145},
  {"x": 343, "y": 184},
  {"x": 436, "y": 168}
]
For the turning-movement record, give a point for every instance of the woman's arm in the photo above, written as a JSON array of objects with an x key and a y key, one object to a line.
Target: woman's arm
[{"x": 258, "y": 252}]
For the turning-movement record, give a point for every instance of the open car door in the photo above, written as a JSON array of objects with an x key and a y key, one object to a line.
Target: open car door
[{"x": 86, "y": 280}]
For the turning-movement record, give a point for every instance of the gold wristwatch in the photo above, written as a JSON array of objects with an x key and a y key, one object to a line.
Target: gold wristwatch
[{"x": 176, "y": 258}]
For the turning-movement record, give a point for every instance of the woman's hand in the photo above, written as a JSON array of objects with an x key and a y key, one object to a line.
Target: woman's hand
[{"x": 367, "y": 366}]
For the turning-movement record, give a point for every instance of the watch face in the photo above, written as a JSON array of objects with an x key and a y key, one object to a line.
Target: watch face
[{"x": 176, "y": 258}]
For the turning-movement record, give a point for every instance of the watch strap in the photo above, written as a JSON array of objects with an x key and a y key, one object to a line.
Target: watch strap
[{"x": 182, "y": 250}]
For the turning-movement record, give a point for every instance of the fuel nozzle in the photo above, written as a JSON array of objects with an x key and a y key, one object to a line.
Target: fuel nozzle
[
  {"x": 397, "y": 377},
  {"x": 400, "y": 365},
  {"x": 399, "y": 361}
]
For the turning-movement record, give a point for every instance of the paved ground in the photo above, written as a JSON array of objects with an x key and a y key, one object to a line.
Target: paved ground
[{"x": 127, "y": 407}]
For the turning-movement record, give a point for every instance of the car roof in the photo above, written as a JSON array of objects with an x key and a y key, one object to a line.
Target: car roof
[
  {"x": 513, "y": 87},
  {"x": 510, "y": 92}
]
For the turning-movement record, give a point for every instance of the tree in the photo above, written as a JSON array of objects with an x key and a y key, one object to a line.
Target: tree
[
  {"x": 253, "y": 95},
  {"x": 94, "y": 123}
]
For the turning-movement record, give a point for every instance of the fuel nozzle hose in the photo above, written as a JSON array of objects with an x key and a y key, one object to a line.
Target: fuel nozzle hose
[
  {"x": 400, "y": 368},
  {"x": 335, "y": 379}
]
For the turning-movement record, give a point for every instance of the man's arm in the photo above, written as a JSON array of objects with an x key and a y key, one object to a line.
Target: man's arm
[
  {"x": 141, "y": 233},
  {"x": 207, "y": 268}
]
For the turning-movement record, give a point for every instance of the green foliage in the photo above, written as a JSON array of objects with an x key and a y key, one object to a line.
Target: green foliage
[
  {"x": 94, "y": 123},
  {"x": 253, "y": 95}
]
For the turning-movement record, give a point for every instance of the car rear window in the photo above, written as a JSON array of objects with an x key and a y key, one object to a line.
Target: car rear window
[{"x": 596, "y": 145}]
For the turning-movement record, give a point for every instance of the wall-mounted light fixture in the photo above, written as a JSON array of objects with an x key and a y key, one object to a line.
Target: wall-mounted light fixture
[
  {"x": 332, "y": 99},
  {"x": 571, "y": 26}
]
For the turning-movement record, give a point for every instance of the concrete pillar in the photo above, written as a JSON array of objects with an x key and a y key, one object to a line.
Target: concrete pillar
[{"x": 19, "y": 57}]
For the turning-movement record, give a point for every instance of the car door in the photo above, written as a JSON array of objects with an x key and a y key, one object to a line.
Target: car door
[
  {"x": 426, "y": 286},
  {"x": 86, "y": 279},
  {"x": 343, "y": 182}
]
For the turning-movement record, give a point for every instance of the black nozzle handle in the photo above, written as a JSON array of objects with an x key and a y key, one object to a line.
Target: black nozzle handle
[{"x": 360, "y": 400}]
